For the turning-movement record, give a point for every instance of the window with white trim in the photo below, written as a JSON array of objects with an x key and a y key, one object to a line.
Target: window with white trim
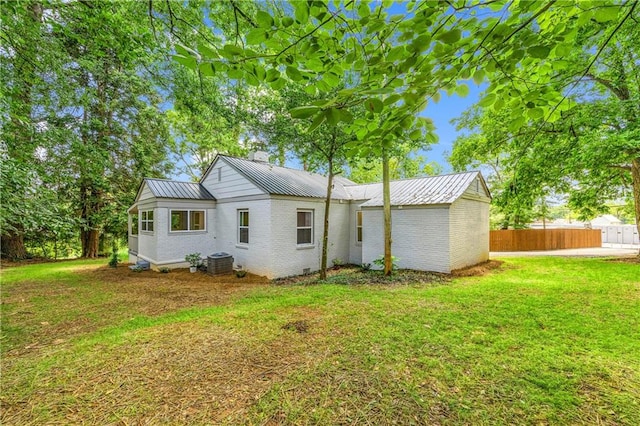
[
  {"x": 359, "y": 226},
  {"x": 187, "y": 220},
  {"x": 243, "y": 226},
  {"x": 304, "y": 227},
  {"x": 146, "y": 220}
]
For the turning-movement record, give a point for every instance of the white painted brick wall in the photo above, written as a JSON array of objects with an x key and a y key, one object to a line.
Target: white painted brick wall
[
  {"x": 419, "y": 237},
  {"x": 290, "y": 259},
  {"x": 256, "y": 256},
  {"x": 469, "y": 224}
]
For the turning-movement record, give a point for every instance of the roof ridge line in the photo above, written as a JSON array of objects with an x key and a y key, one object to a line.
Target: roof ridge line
[
  {"x": 414, "y": 178},
  {"x": 171, "y": 180}
]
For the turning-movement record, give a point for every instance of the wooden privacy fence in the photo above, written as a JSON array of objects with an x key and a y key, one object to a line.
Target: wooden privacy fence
[{"x": 543, "y": 239}]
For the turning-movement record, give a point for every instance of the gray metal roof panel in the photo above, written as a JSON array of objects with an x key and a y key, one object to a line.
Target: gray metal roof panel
[
  {"x": 162, "y": 188},
  {"x": 278, "y": 180},
  {"x": 443, "y": 189}
]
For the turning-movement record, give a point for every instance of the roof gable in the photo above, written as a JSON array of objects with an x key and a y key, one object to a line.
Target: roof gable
[
  {"x": 444, "y": 189},
  {"x": 276, "y": 180}
]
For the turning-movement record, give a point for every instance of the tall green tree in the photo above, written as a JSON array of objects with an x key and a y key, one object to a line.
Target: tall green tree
[
  {"x": 21, "y": 32},
  {"x": 84, "y": 113},
  {"x": 120, "y": 132},
  {"x": 321, "y": 150},
  {"x": 592, "y": 153}
]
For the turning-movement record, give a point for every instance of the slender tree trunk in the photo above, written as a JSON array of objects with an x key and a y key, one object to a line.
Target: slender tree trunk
[
  {"x": 386, "y": 202},
  {"x": 635, "y": 177},
  {"x": 101, "y": 244},
  {"x": 325, "y": 231},
  {"x": 89, "y": 235}
]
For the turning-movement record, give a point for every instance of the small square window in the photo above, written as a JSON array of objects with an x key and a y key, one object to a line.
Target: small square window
[{"x": 146, "y": 220}]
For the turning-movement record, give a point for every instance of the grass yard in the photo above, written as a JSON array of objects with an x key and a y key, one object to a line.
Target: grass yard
[{"x": 538, "y": 341}]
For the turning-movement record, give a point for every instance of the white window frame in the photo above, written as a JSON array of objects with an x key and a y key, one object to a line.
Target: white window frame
[
  {"x": 310, "y": 211},
  {"x": 240, "y": 212},
  {"x": 145, "y": 221},
  {"x": 359, "y": 214},
  {"x": 188, "y": 220}
]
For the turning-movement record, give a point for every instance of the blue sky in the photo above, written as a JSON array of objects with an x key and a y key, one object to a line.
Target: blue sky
[{"x": 442, "y": 113}]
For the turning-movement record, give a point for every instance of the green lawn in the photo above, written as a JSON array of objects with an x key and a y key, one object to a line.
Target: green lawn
[{"x": 539, "y": 341}]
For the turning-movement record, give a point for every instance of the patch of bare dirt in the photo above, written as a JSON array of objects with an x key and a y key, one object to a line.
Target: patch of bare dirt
[
  {"x": 355, "y": 275},
  {"x": 631, "y": 259},
  {"x": 300, "y": 326},
  {"x": 479, "y": 269}
]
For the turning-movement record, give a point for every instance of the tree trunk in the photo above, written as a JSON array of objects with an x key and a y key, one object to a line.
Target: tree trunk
[
  {"x": 89, "y": 239},
  {"x": 101, "y": 244},
  {"x": 13, "y": 246},
  {"x": 386, "y": 202},
  {"x": 635, "y": 177},
  {"x": 89, "y": 234},
  {"x": 325, "y": 231}
]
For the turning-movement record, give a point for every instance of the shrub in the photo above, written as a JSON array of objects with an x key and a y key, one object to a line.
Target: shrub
[
  {"x": 113, "y": 261},
  {"x": 164, "y": 270},
  {"x": 365, "y": 266},
  {"x": 380, "y": 262},
  {"x": 337, "y": 262}
]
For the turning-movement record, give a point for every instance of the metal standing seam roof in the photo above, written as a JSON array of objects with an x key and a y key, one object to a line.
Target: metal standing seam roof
[
  {"x": 443, "y": 189},
  {"x": 162, "y": 188},
  {"x": 278, "y": 180}
]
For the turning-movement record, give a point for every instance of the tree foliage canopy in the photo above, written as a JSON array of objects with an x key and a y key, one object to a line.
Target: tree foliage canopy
[{"x": 590, "y": 153}]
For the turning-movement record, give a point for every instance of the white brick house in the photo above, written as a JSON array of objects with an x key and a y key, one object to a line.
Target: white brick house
[{"x": 270, "y": 219}]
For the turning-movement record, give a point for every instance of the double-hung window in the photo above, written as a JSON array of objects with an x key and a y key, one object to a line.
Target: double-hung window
[
  {"x": 187, "y": 220},
  {"x": 304, "y": 227},
  {"x": 359, "y": 226},
  {"x": 146, "y": 220},
  {"x": 243, "y": 226}
]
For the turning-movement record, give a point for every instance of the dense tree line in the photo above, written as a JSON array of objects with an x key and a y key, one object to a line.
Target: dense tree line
[{"x": 92, "y": 103}]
